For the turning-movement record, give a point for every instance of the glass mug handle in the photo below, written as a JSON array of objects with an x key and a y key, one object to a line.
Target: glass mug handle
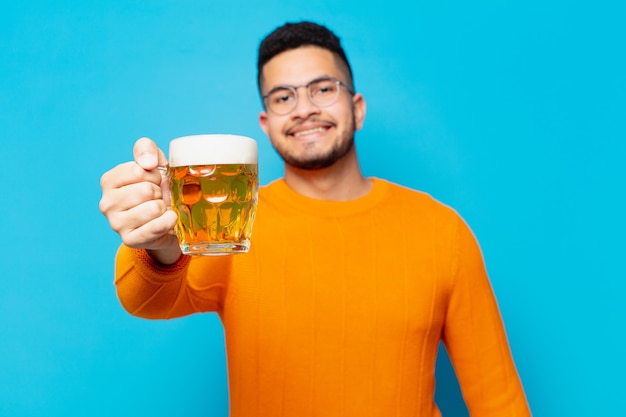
[{"x": 163, "y": 169}]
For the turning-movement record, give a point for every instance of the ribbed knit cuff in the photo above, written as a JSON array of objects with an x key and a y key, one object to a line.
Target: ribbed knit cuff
[{"x": 154, "y": 271}]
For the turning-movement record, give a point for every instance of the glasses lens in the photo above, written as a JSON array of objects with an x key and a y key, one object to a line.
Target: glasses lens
[
  {"x": 281, "y": 101},
  {"x": 324, "y": 92}
]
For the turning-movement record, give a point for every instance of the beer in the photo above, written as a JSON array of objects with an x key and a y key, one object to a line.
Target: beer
[{"x": 215, "y": 200}]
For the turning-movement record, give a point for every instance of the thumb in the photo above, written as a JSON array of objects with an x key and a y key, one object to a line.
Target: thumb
[{"x": 148, "y": 155}]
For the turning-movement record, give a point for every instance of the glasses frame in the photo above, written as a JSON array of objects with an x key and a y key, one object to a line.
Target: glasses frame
[{"x": 294, "y": 90}]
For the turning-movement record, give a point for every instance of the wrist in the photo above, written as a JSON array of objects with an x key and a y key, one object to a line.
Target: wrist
[{"x": 167, "y": 256}]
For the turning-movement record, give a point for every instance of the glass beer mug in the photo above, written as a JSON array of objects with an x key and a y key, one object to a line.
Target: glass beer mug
[{"x": 214, "y": 191}]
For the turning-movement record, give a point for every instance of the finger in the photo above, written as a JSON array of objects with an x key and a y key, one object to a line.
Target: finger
[
  {"x": 129, "y": 196},
  {"x": 117, "y": 176},
  {"x": 148, "y": 155},
  {"x": 155, "y": 234},
  {"x": 126, "y": 222},
  {"x": 126, "y": 174}
]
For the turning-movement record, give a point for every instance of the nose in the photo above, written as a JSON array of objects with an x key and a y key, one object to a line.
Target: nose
[{"x": 304, "y": 106}]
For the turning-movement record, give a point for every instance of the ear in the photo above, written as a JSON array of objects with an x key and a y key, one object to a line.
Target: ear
[
  {"x": 359, "y": 109},
  {"x": 263, "y": 121}
]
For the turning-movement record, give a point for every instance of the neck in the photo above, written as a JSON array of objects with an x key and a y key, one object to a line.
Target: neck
[{"x": 341, "y": 181}]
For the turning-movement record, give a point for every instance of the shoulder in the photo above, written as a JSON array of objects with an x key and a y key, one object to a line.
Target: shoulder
[{"x": 400, "y": 195}]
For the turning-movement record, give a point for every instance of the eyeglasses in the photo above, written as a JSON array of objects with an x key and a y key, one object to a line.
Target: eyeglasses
[{"x": 322, "y": 92}]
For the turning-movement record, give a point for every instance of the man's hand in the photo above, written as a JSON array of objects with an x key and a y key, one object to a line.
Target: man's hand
[{"x": 135, "y": 200}]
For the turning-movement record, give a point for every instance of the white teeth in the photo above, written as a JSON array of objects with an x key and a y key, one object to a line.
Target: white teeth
[{"x": 308, "y": 132}]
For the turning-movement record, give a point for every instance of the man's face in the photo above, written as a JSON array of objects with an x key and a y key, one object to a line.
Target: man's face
[{"x": 311, "y": 137}]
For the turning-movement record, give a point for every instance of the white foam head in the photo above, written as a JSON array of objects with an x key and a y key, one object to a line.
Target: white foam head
[{"x": 212, "y": 150}]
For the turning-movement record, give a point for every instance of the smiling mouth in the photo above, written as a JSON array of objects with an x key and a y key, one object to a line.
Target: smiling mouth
[{"x": 309, "y": 131}]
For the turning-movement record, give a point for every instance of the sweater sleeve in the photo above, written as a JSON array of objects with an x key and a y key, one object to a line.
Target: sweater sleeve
[
  {"x": 150, "y": 290},
  {"x": 475, "y": 337}
]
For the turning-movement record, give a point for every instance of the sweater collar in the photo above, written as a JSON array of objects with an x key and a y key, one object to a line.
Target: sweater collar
[{"x": 279, "y": 194}]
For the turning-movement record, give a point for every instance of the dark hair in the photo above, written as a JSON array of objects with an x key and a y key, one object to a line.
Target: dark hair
[{"x": 294, "y": 35}]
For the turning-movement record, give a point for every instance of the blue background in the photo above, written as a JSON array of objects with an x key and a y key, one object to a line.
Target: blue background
[{"x": 511, "y": 112}]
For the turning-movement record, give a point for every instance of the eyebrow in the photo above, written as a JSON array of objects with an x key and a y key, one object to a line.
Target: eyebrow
[{"x": 286, "y": 87}]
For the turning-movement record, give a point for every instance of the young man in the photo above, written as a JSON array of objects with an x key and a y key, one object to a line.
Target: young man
[{"x": 350, "y": 283}]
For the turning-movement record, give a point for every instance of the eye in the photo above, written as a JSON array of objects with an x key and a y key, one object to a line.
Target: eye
[
  {"x": 280, "y": 97},
  {"x": 323, "y": 88}
]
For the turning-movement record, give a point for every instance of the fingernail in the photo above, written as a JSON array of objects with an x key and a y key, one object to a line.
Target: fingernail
[{"x": 147, "y": 159}]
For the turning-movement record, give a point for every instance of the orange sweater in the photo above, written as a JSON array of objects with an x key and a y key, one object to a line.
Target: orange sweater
[{"x": 339, "y": 307}]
